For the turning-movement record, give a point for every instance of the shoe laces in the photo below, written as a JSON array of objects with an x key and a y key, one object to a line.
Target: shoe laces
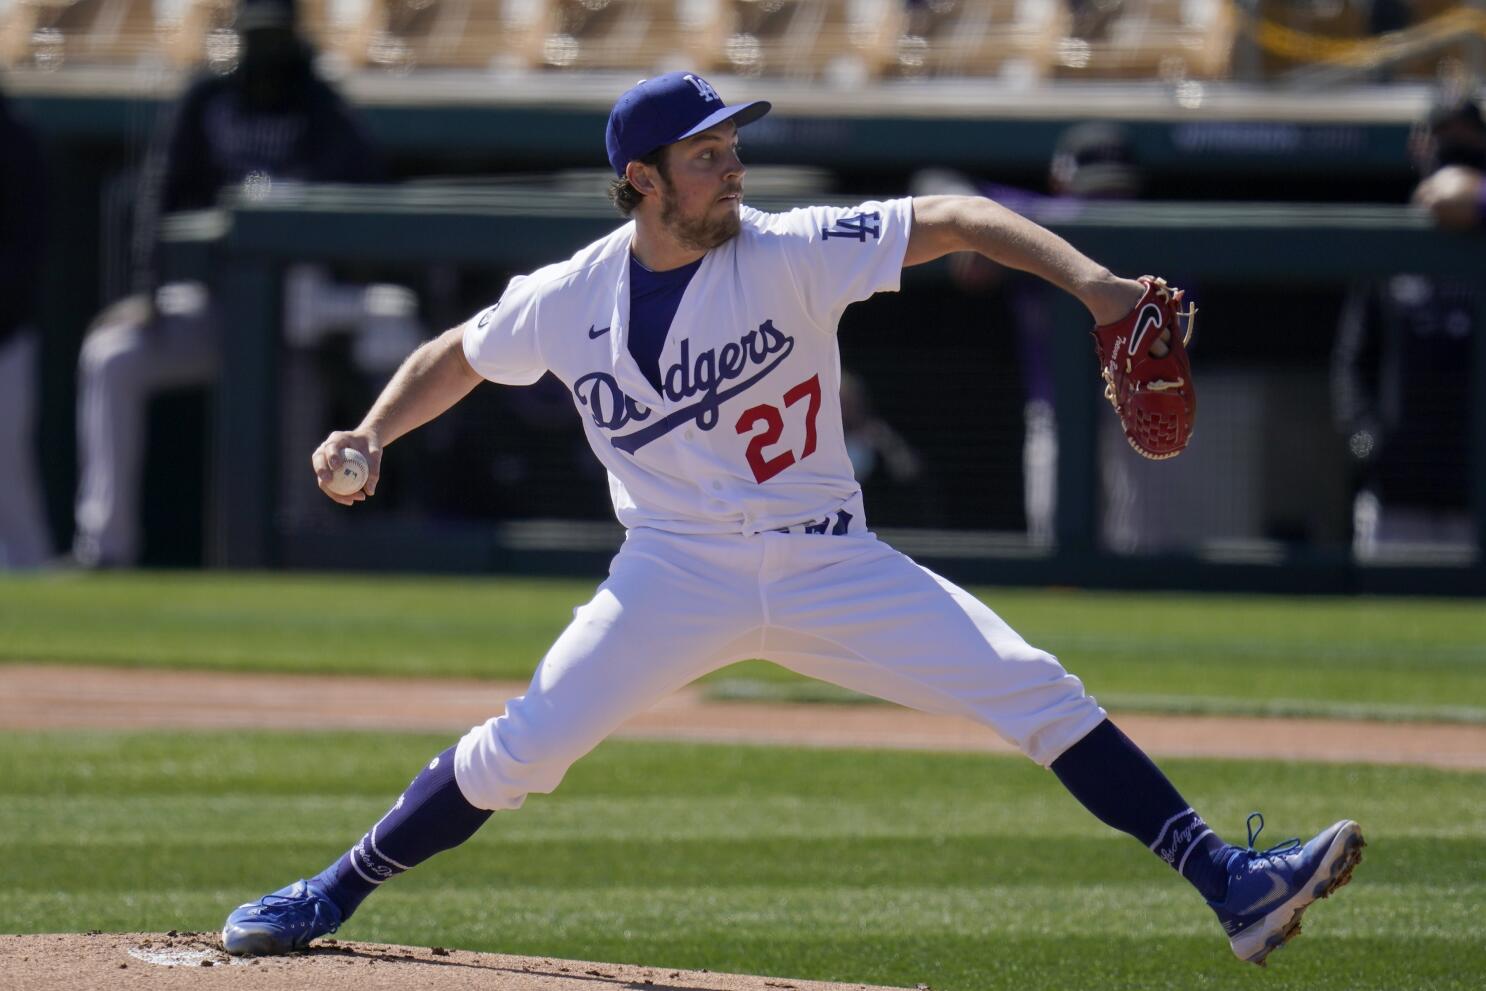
[
  {"x": 1286, "y": 846},
  {"x": 278, "y": 907}
]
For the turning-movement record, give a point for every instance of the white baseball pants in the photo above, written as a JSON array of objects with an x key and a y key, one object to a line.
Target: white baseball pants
[
  {"x": 122, "y": 365},
  {"x": 845, "y": 609}
]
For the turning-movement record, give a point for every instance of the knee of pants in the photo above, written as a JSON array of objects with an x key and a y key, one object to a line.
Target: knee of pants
[
  {"x": 1046, "y": 719},
  {"x": 504, "y": 759}
]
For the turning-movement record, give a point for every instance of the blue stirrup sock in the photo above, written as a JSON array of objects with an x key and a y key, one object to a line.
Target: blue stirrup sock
[
  {"x": 1105, "y": 771},
  {"x": 1123, "y": 788},
  {"x": 432, "y": 815}
]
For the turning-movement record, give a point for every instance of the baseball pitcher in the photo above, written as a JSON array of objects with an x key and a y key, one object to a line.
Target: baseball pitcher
[{"x": 698, "y": 342}]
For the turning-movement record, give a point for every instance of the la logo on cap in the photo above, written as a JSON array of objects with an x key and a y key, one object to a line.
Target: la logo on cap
[
  {"x": 667, "y": 109},
  {"x": 703, "y": 87}
]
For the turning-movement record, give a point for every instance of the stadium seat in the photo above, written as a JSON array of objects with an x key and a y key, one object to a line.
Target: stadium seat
[
  {"x": 1168, "y": 39},
  {"x": 640, "y": 35},
  {"x": 1439, "y": 62},
  {"x": 804, "y": 39},
  {"x": 1286, "y": 49},
  {"x": 192, "y": 32},
  {"x": 199, "y": 32},
  {"x": 1014, "y": 39},
  {"x": 1433, "y": 40},
  {"x": 52, "y": 33},
  {"x": 402, "y": 35}
]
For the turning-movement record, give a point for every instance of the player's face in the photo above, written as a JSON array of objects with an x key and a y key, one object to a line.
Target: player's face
[{"x": 699, "y": 201}]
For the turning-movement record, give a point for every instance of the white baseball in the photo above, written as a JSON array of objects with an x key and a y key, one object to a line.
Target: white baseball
[{"x": 351, "y": 476}]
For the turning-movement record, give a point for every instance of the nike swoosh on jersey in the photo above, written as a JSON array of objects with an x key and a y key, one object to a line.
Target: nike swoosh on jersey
[{"x": 594, "y": 335}]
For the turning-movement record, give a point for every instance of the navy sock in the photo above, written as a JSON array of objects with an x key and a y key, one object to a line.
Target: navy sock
[
  {"x": 1120, "y": 785},
  {"x": 431, "y": 816}
]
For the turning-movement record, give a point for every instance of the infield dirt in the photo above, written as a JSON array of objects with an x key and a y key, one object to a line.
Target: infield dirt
[
  {"x": 42, "y": 697},
  {"x": 181, "y": 960}
]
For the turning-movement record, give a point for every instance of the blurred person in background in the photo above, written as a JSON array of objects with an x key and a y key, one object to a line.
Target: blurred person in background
[
  {"x": 872, "y": 444},
  {"x": 24, "y": 541},
  {"x": 1450, "y": 150},
  {"x": 1401, "y": 380},
  {"x": 1091, "y": 161},
  {"x": 890, "y": 471},
  {"x": 271, "y": 118}
]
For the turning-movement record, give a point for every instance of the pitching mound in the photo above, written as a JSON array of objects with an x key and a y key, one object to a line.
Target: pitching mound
[{"x": 66, "y": 962}]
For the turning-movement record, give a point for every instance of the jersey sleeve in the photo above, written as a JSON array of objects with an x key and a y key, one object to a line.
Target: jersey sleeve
[
  {"x": 500, "y": 342},
  {"x": 845, "y": 254}
]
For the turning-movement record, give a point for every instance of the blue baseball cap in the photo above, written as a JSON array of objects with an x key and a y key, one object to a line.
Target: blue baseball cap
[{"x": 659, "y": 111}]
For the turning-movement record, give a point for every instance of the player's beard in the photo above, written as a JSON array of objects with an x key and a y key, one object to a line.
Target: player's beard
[{"x": 696, "y": 233}]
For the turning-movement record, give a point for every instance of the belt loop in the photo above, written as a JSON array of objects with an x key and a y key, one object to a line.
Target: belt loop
[{"x": 838, "y": 523}]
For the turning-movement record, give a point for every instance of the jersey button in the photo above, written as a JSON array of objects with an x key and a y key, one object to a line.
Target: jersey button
[
  {"x": 717, "y": 486},
  {"x": 690, "y": 434}
]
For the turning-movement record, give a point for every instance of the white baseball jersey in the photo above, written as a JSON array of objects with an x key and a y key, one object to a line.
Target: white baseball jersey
[
  {"x": 746, "y": 435},
  {"x": 744, "y": 440}
]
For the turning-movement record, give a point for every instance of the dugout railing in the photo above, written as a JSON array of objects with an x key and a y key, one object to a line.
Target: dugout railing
[{"x": 245, "y": 247}]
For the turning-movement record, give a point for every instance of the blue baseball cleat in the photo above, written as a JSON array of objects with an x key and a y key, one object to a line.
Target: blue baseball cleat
[
  {"x": 1268, "y": 890},
  {"x": 281, "y": 922}
]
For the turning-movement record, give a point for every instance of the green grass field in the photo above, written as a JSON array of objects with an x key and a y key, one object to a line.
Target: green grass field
[
  {"x": 959, "y": 871},
  {"x": 1368, "y": 658},
  {"x": 962, "y": 872}
]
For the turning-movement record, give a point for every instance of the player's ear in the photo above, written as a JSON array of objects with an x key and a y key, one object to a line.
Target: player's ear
[{"x": 642, "y": 177}]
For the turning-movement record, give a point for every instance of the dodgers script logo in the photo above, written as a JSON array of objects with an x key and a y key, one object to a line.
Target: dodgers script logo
[{"x": 750, "y": 358}]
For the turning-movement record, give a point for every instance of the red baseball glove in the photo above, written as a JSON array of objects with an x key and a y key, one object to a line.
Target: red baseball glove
[{"x": 1153, "y": 397}]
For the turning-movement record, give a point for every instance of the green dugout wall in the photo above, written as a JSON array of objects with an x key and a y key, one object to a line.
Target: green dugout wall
[{"x": 245, "y": 247}]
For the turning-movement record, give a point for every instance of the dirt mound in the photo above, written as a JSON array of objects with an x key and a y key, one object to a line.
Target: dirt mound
[{"x": 69, "y": 962}]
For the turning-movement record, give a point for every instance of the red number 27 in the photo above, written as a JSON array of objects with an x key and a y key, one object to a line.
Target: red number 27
[{"x": 765, "y": 468}]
